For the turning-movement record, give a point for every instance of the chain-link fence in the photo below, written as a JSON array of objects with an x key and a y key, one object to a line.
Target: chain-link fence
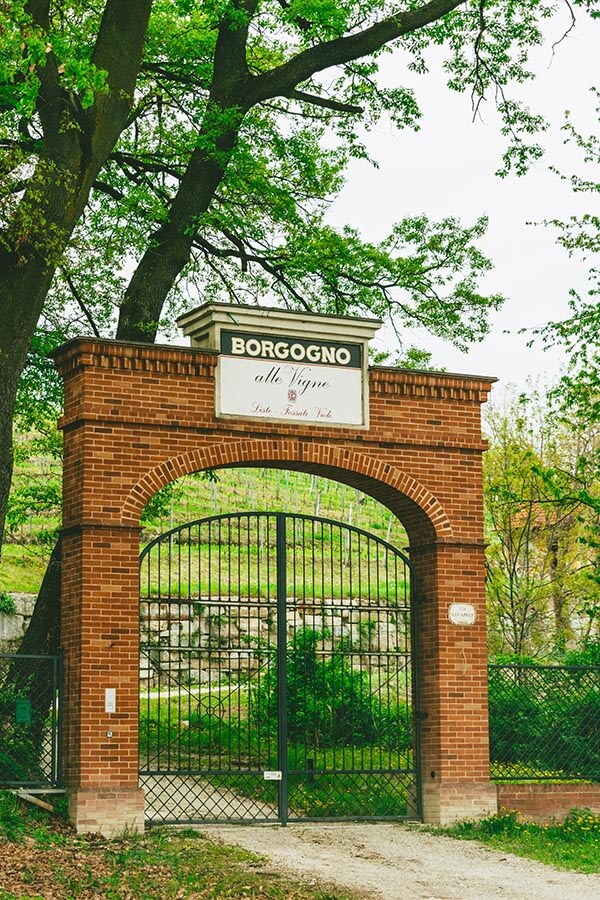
[
  {"x": 29, "y": 720},
  {"x": 544, "y": 723}
]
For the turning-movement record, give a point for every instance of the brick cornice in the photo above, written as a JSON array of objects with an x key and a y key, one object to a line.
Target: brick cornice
[
  {"x": 155, "y": 359},
  {"x": 168, "y": 360},
  {"x": 429, "y": 385}
]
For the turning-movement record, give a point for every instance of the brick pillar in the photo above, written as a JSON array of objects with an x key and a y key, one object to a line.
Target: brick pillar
[
  {"x": 452, "y": 683},
  {"x": 99, "y": 621}
]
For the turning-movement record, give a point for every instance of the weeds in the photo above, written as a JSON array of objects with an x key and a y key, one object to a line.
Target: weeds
[{"x": 572, "y": 844}]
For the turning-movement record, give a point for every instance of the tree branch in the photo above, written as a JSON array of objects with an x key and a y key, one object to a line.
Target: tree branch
[
  {"x": 230, "y": 66},
  {"x": 303, "y": 24},
  {"x": 80, "y": 301},
  {"x": 284, "y": 78},
  {"x": 325, "y": 102}
]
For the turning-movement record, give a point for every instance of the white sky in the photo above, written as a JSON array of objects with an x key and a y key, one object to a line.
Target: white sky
[{"x": 447, "y": 169}]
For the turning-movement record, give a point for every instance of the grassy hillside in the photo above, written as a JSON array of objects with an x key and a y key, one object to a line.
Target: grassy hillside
[{"x": 36, "y": 516}]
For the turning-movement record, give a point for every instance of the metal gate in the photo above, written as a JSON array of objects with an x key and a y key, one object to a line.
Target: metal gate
[
  {"x": 30, "y": 739},
  {"x": 276, "y": 675}
]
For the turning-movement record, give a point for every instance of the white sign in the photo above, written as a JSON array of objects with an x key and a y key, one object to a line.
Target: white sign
[
  {"x": 290, "y": 379},
  {"x": 462, "y": 614},
  {"x": 272, "y": 776},
  {"x": 110, "y": 700}
]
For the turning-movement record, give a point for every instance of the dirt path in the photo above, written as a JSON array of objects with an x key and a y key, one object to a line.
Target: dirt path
[{"x": 389, "y": 861}]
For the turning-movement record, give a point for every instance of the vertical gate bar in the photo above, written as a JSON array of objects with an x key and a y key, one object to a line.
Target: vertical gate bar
[
  {"x": 248, "y": 729},
  {"x": 216, "y": 705},
  {"x": 381, "y": 646},
  {"x": 269, "y": 611},
  {"x": 191, "y": 655},
  {"x": 230, "y": 610},
  {"x": 54, "y": 725},
  {"x": 59, "y": 722},
  {"x": 167, "y": 652},
  {"x": 313, "y": 554},
  {"x": 282, "y": 700},
  {"x": 252, "y": 535},
  {"x": 159, "y": 655},
  {"x": 179, "y": 566},
  {"x": 146, "y": 627},
  {"x": 350, "y": 567},
  {"x": 333, "y": 612},
  {"x": 210, "y": 681},
  {"x": 201, "y": 642},
  {"x": 201, "y": 651},
  {"x": 413, "y": 670}
]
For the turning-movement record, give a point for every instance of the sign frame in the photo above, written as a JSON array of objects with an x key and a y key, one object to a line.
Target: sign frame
[
  {"x": 209, "y": 326},
  {"x": 291, "y": 381}
]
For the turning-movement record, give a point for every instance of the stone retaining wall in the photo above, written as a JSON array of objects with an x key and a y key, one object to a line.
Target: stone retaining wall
[
  {"x": 14, "y": 625},
  {"x": 223, "y": 634}
]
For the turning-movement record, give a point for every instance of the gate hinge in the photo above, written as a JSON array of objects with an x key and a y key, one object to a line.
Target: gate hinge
[{"x": 421, "y": 714}]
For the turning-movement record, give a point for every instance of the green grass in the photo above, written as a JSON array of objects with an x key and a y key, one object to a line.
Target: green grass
[
  {"x": 573, "y": 844},
  {"x": 19, "y": 820},
  {"x": 40, "y": 857},
  {"x": 196, "y": 735},
  {"x": 193, "y": 497},
  {"x": 22, "y": 568}
]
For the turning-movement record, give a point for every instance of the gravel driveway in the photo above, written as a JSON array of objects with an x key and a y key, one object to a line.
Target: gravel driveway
[{"x": 390, "y": 861}]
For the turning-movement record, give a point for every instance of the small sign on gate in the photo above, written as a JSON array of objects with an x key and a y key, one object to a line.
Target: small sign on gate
[
  {"x": 462, "y": 614},
  {"x": 23, "y": 711},
  {"x": 272, "y": 776}
]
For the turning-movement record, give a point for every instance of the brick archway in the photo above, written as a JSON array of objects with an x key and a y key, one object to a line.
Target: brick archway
[
  {"x": 415, "y": 506},
  {"x": 137, "y": 417}
]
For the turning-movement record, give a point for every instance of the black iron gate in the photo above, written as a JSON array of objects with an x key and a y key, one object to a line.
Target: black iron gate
[
  {"x": 276, "y": 675},
  {"x": 30, "y": 738}
]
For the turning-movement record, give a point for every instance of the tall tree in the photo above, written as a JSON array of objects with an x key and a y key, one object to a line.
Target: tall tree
[
  {"x": 579, "y": 333},
  {"x": 541, "y": 567},
  {"x": 187, "y": 137},
  {"x": 577, "y": 396}
]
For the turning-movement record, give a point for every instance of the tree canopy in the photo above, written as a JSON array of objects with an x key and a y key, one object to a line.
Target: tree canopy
[
  {"x": 579, "y": 333},
  {"x": 160, "y": 150}
]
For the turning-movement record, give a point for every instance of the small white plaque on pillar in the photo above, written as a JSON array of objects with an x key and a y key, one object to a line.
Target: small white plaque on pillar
[
  {"x": 462, "y": 614},
  {"x": 110, "y": 700}
]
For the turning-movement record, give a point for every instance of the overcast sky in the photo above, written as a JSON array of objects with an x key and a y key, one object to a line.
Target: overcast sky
[{"x": 447, "y": 169}]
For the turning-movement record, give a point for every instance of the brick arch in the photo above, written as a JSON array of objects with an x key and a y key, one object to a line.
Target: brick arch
[
  {"x": 127, "y": 407},
  {"x": 421, "y": 513}
]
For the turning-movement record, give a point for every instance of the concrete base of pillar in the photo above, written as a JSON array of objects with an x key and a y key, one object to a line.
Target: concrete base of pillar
[
  {"x": 110, "y": 811},
  {"x": 448, "y": 802}
]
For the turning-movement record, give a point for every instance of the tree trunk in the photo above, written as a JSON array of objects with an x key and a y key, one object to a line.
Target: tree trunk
[
  {"x": 170, "y": 246},
  {"x": 23, "y": 288},
  {"x": 43, "y": 633}
]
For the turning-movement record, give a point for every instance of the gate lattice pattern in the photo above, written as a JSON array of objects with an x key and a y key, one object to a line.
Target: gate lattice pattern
[
  {"x": 29, "y": 720},
  {"x": 276, "y": 672},
  {"x": 544, "y": 722}
]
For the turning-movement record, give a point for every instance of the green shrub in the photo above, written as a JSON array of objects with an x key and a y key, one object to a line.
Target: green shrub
[
  {"x": 588, "y": 655},
  {"x": 7, "y": 605},
  {"x": 329, "y": 703},
  {"x": 514, "y": 722}
]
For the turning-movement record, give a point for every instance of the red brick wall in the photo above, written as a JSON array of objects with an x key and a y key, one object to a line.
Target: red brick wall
[
  {"x": 544, "y": 802},
  {"x": 137, "y": 417}
]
